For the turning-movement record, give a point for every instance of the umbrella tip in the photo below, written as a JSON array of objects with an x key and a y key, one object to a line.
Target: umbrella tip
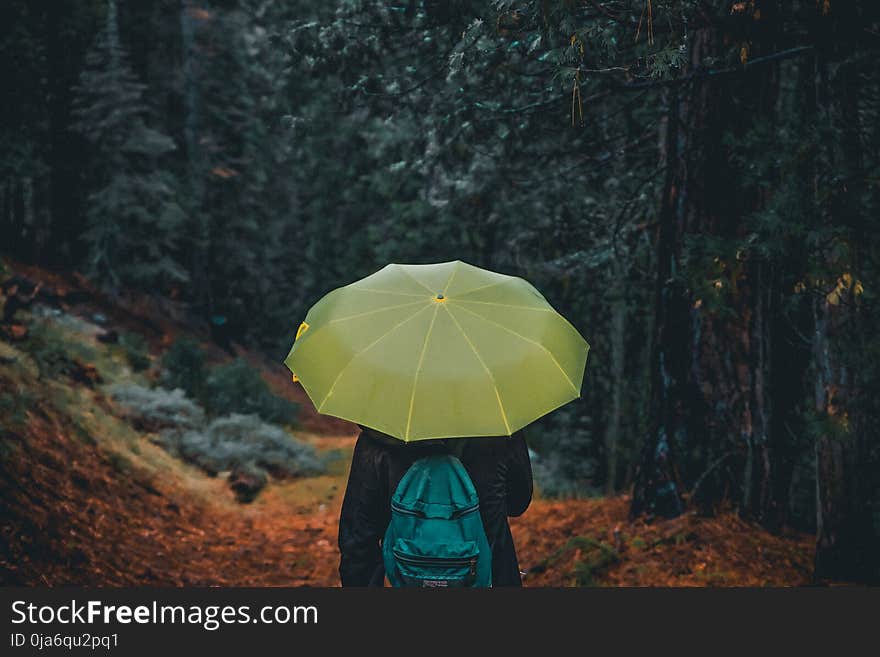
[{"x": 440, "y": 298}]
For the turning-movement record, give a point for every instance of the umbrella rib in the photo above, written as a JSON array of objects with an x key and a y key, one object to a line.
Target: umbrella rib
[
  {"x": 485, "y": 367},
  {"x": 483, "y": 287},
  {"x": 401, "y": 294},
  {"x": 537, "y": 344},
  {"x": 376, "y": 310},
  {"x": 369, "y": 346},
  {"x": 506, "y": 305},
  {"x": 412, "y": 398},
  {"x": 451, "y": 276},
  {"x": 415, "y": 279}
]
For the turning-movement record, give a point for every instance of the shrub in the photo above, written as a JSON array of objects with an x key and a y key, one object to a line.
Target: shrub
[
  {"x": 553, "y": 478},
  {"x": 137, "y": 351},
  {"x": 564, "y": 466},
  {"x": 232, "y": 388},
  {"x": 49, "y": 348},
  {"x": 245, "y": 441},
  {"x": 184, "y": 367},
  {"x": 15, "y": 400},
  {"x": 243, "y": 445},
  {"x": 157, "y": 409},
  {"x": 239, "y": 388}
]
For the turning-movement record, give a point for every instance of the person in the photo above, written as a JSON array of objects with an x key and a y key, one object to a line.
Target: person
[{"x": 498, "y": 466}]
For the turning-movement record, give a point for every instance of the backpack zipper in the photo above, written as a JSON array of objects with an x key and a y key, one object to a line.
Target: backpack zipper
[
  {"x": 421, "y": 514},
  {"x": 438, "y": 561}
]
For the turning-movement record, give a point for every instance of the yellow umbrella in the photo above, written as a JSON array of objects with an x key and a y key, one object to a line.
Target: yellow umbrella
[{"x": 438, "y": 351}]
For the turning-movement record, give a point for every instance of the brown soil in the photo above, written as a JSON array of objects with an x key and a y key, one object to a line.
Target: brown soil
[
  {"x": 595, "y": 538},
  {"x": 72, "y": 516}
]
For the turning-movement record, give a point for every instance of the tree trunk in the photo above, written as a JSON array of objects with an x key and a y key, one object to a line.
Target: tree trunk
[
  {"x": 843, "y": 523},
  {"x": 677, "y": 408},
  {"x": 656, "y": 490},
  {"x": 846, "y": 548},
  {"x": 757, "y": 489},
  {"x": 201, "y": 287},
  {"x": 617, "y": 339}
]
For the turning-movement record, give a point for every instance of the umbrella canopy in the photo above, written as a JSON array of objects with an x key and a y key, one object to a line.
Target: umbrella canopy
[{"x": 438, "y": 351}]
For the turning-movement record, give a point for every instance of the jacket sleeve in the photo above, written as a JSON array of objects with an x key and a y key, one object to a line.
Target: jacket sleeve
[
  {"x": 518, "y": 475},
  {"x": 360, "y": 520}
]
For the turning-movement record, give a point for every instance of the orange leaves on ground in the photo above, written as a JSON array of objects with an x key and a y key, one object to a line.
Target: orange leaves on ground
[
  {"x": 74, "y": 518},
  {"x": 685, "y": 551}
]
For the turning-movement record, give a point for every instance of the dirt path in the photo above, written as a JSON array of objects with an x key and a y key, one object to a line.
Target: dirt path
[
  {"x": 70, "y": 518},
  {"x": 76, "y": 515}
]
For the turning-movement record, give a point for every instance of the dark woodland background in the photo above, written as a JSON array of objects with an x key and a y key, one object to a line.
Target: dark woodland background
[{"x": 694, "y": 183}]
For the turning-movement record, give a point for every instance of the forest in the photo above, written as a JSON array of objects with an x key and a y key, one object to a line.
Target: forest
[{"x": 692, "y": 183}]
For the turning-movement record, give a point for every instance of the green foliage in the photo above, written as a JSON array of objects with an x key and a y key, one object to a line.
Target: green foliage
[
  {"x": 245, "y": 445},
  {"x": 235, "y": 387},
  {"x": 597, "y": 560},
  {"x": 48, "y": 347},
  {"x": 596, "y": 556},
  {"x": 133, "y": 217},
  {"x": 13, "y": 409},
  {"x": 54, "y": 351},
  {"x": 183, "y": 366},
  {"x": 242, "y": 166},
  {"x": 137, "y": 351},
  {"x": 563, "y": 466},
  {"x": 238, "y": 388}
]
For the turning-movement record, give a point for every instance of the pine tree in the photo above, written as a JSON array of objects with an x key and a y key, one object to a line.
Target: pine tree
[{"x": 133, "y": 218}]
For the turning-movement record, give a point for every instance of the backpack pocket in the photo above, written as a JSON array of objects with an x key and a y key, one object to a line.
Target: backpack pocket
[{"x": 438, "y": 565}]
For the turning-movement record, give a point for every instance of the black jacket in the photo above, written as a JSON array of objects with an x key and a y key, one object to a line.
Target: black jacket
[{"x": 499, "y": 468}]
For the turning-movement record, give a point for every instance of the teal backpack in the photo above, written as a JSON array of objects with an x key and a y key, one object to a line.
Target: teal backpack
[{"x": 436, "y": 538}]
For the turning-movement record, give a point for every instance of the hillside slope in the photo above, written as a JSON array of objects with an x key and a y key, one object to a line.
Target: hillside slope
[{"x": 87, "y": 498}]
